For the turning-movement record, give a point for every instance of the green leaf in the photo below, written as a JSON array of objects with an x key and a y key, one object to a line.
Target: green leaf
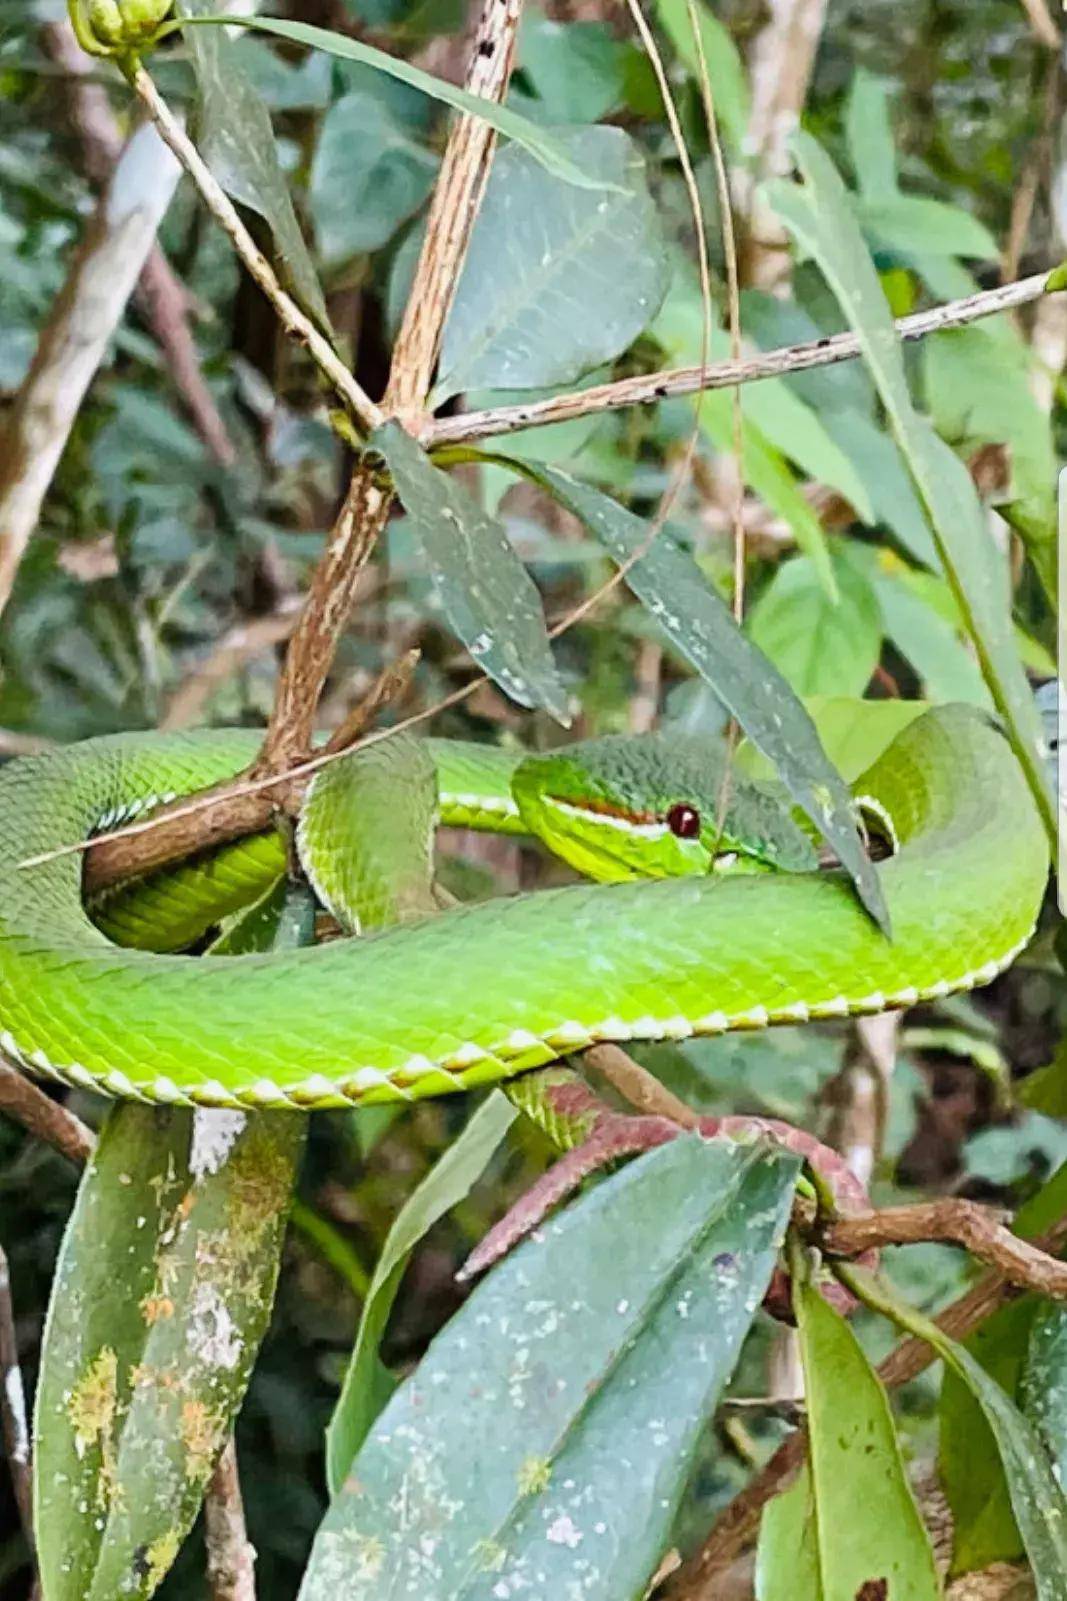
[
  {"x": 237, "y": 142},
  {"x": 545, "y": 147},
  {"x": 162, "y": 1294},
  {"x": 969, "y": 1466},
  {"x": 819, "y": 216},
  {"x": 819, "y": 645},
  {"x": 549, "y": 1428},
  {"x": 483, "y": 589},
  {"x": 367, "y": 1383},
  {"x": 868, "y": 1531},
  {"x": 1044, "y": 1382},
  {"x": 541, "y": 299},
  {"x": 368, "y": 176},
  {"x": 577, "y": 69},
  {"x": 869, "y": 132},
  {"x": 1036, "y": 1499},
  {"x": 726, "y": 72},
  {"x": 941, "y": 660},
  {"x": 907, "y": 223},
  {"x": 787, "y": 1555},
  {"x": 700, "y": 625}
]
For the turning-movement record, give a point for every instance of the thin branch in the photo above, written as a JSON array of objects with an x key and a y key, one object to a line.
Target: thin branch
[
  {"x": 638, "y": 1086},
  {"x": 467, "y": 426},
  {"x": 45, "y": 1119},
  {"x": 295, "y": 322},
  {"x": 456, "y": 198},
  {"x": 160, "y": 292},
  {"x": 13, "y": 1407},
  {"x": 952, "y": 1222},
  {"x": 231, "y": 1557},
  {"x": 737, "y": 1525}
]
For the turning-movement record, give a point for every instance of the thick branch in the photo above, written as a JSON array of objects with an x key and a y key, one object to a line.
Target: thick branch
[
  {"x": 73, "y": 343},
  {"x": 468, "y": 426},
  {"x": 295, "y": 322},
  {"x": 21, "y": 1100},
  {"x": 453, "y": 209}
]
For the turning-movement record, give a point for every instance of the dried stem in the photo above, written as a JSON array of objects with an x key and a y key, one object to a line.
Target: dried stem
[
  {"x": 467, "y": 426},
  {"x": 295, "y": 322},
  {"x": 13, "y": 1407},
  {"x": 21, "y": 1100},
  {"x": 638, "y": 1086},
  {"x": 231, "y": 1558},
  {"x": 453, "y": 209}
]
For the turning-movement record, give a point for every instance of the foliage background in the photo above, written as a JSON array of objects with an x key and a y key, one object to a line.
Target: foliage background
[{"x": 161, "y": 583}]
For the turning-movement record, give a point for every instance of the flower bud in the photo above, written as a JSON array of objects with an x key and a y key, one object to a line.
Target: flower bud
[{"x": 116, "y": 27}]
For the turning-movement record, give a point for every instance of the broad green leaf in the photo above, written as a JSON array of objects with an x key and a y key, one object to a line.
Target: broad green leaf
[
  {"x": 368, "y": 1383},
  {"x": 577, "y": 69},
  {"x": 818, "y": 214},
  {"x": 907, "y": 223},
  {"x": 237, "y": 142},
  {"x": 699, "y": 624},
  {"x": 726, "y": 73},
  {"x": 368, "y": 176},
  {"x": 546, "y": 1435},
  {"x": 787, "y": 1555},
  {"x": 1044, "y": 1382},
  {"x": 868, "y": 1532},
  {"x": 485, "y": 592},
  {"x": 819, "y": 645},
  {"x": 979, "y": 392},
  {"x": 161, "y": 1297},
  {"x": 941, "y": 660},
  {"x": 876, "y": 456},
  {"x": 1036, "y": 1498},
  {"x": 541, "y": 298},
  {"x": 870, "y": 137},
  {"x": 545, "y": 147}
]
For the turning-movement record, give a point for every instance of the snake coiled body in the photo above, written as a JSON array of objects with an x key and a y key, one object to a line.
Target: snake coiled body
[{"x": 480, "y": 993}]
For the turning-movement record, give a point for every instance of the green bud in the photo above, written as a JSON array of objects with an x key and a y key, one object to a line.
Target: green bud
[{"x": 116, "y": 27}]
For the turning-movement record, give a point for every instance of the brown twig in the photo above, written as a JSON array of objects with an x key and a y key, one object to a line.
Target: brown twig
[
  {"x": 390, "y": 687},
  {"x": 453, "y": 209},
  {"x": 737, "y": 1525},
  {"x": 295, "y": 321},
  {"x": 467, "y": 426},
  {"x": 13, "y": 1407},
  {"x": 952, "y": 1222},
  {"x": 160, "y": 291},
  {"x": 44, "y": 1118},
  {"x": 231, "y": 1557},
  {"x": 638, "y": 1086}
]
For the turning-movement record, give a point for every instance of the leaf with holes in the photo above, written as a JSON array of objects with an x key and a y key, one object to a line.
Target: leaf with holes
[{"x": 543, "y": 1443}]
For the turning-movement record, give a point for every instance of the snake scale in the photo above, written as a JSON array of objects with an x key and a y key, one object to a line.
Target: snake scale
[{"x": 482, "y": 992}]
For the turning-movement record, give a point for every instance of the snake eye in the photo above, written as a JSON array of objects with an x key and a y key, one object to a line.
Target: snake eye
[{"x": 684, "y": 821}]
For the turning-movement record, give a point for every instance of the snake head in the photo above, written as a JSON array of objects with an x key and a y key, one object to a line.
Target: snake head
[{"x": 656, "y": 806}]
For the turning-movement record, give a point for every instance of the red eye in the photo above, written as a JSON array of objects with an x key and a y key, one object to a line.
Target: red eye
[{"x": 684, "y": 821}]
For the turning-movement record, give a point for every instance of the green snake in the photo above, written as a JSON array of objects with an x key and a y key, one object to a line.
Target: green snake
[{"x": 737, "y": 928}]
